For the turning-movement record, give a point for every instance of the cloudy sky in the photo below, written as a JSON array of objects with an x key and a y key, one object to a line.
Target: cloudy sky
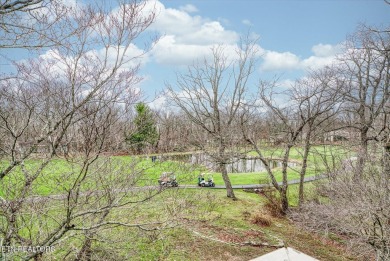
[{"x": 294, "y": 35}]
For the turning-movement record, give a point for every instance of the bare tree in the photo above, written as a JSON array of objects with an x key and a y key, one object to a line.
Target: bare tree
[
  {"x": 7, "y": 7},
  {"x": 286, "y": 126},
  {"x": 318, "y": 102},
  {"x": 34, "y": 24},
  {"x": 211, "y": 94},
  {"x": 174, "y": 129},
  {"x": 72, "y": 76},
  {"x": 308, "y": 105},
  {"x": 357, "y": 209},
  {"x": 355, "y": 202},
  {"x": 66, "y": 105},
  {"x": 365, "y": 67}
]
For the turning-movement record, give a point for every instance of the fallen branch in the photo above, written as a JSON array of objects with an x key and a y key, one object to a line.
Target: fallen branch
[{"x": 246, "y": 243}]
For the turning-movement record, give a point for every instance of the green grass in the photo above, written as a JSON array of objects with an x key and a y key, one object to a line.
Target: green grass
[
  {"x": 231, "y": 222},
  {"x": 317, "y": 153},
  {"x": 59, "y": 175},
  {"x": 198, "y": 215},
  {"x": 209, "y": 215},
  {"x": 318, "y": 158},
  {"x": 259, "y": 177}
]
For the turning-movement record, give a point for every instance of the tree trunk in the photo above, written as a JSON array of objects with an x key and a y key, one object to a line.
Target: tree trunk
[
  {"x": 284, "y": 187},
  {"x": 223, "y": 170},
  {"x": 362, "y": 154},
  {"x": 284, "y": 199},
  {"x": 304, "y": 167},
  {"x": 226, "y": 180},
  {"x": 301, "y": 189},
  {"x": 85, "y": 252}
]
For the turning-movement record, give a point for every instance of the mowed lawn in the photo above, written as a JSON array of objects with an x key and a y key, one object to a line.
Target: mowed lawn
[{"x": 60, "y": 175}]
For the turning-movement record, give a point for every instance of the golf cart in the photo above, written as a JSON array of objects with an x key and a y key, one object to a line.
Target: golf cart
[
  {"x": 168, "y": 179},
  {"x": 203, "y": 183}
]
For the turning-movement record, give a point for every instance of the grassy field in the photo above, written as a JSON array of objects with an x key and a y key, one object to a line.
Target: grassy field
[
  {"x": 319, "y": 157},
  {"x": 202, "y": 224},
  {"x": 213, "y": 228},
  {"x": 259, "y": 177},
  {"x": 59, "y": 175}
]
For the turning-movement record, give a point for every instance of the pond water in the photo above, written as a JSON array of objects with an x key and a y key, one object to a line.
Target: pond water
[{"x": 238, "y": 165}]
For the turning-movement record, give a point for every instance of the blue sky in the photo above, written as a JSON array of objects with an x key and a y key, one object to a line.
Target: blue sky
[
  {"x": 295, "y": 35},
  {"x": 293, "y": 25}
]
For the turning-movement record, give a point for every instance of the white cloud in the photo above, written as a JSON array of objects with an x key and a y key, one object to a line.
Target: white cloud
[
  {"x": 286, "y": 83},
  {"x": 189, "y": 29},
  {"x": 247, "y": 22},
  {"x": 224, "y": 21},
  {"x": 132, "y": 55},
  {"x": 326, "y": 50},
  {"x": 209, "y": 33},
  {"x": 159, "y": 103},
  {"x": 168, "y": 51},
  {"x": 60, "y": 66},
  {"x": 324, "y": 54},
  {"x": 172, "y": 21},
  {"x": 54, "y": 63},
  {"x": 186, "y": 37},
  {"x": 189, "y": 8},
  {"x": 315, "y": 62},
  {"x": 280, "y": 61}
]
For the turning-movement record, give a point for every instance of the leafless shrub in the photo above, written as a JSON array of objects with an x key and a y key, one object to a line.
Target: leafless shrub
[
  {"x": 358, "y": 209},
  {"x": 273, "y": 204},
  {"x": 261, "y": 219}
]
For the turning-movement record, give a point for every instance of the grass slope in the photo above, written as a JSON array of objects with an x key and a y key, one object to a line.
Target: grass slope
[{"x": 220, "y": 233}]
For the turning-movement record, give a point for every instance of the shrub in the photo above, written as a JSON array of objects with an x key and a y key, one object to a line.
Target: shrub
[{"x": 261, "y": 219}]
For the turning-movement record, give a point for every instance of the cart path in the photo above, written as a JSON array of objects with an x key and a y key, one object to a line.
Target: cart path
[
  {"x": 37, "y": 199},
  {"x": 254, "y": 186}
]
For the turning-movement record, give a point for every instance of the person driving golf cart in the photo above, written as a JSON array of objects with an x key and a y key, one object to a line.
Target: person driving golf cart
[
  {"x": 200, "y": 178},
  {"x": 168, "y": 179},
  {"x": 203, "y": 183}
]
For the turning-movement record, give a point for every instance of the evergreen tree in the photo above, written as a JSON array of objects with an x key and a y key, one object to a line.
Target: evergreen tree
[{"x": 145, "y": 133}]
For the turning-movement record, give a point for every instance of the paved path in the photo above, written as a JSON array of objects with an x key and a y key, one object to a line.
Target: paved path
[
  {"x": 254, "y": 186},
  {"x": 37, "y": 199}
]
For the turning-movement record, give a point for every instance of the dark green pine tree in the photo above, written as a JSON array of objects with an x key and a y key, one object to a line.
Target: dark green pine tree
[{"x": 145, "y": 133}]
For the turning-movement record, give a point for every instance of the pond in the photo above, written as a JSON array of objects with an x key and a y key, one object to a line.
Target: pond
[{"x": 238, "y": 165}]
